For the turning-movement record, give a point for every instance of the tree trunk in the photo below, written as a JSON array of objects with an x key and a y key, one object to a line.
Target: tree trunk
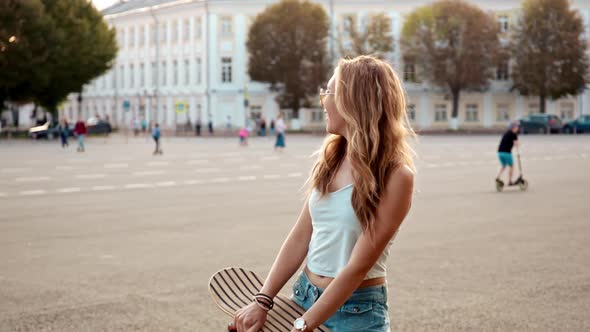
[
  {"x": 454, "y": 122},
  {"x": 542, "y": 104}
]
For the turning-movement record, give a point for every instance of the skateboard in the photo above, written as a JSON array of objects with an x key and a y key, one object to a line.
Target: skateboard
[{"x": 233, "y": 288}]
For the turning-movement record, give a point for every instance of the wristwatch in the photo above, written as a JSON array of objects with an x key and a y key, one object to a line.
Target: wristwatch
[{"x": 300, "y": 325}]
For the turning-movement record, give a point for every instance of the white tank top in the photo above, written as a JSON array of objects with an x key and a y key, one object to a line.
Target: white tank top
[{"x": 335, "y": 232}]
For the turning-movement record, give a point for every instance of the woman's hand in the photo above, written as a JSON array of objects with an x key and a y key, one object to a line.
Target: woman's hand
[{"x": 250, "y": 318}]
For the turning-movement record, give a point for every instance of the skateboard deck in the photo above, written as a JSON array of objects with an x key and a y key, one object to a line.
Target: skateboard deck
[{"x": 233, "y": 288}]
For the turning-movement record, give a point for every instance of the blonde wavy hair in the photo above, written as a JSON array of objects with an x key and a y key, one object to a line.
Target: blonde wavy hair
[{"x": 371, "y": 99}]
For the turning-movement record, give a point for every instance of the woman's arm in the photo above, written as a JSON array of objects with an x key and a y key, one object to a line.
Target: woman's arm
[
  {"x": 289, "y": 259},
  {"x": 394, "y": 207}
]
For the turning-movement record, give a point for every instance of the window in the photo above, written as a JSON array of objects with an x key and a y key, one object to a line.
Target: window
[
  {"x": 122, "y": 41},
  {"x": 175, "y": 73},
  {"x": 141, "y": 35},
  {"x": 198, "y": 28},
  {"x": 141, "y": 75},
  {"x": 186, "y": 31},
  {"x": 533, "y": 108},
  {"x": 409, "y": 72},
  {"x": 440, "y": 112},
  {"x": 154, "y": 74},
  {"x": 198, "y": 70},
  {"x": 174, "y": 32},
  {"x": 502, "y": 71},
  {"x": 122, "y": 76},
  {"x": 163, "y": 32},
  {"x": 503, "y": 21},
  {"x": 163, "y": 73},
  {"x": 502, "y": 113},
  {"x": 567, "y": 111},
  {"x": 131, "y": 37},
  {"x": 412, "y": 112},
  {"x": 226, "y": 28},
  {"x": 131, "y": 76},
  {"x": 187, "y": 73},
  {"x": 471, "y": 113},
  {"x": 152, "y": 34},
  {"x": 226, "y": 71}
]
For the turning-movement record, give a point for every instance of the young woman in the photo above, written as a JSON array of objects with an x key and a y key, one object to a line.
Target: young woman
[
  {"x": 280, "y": 127},
  {"x": 360, "y": 192}
]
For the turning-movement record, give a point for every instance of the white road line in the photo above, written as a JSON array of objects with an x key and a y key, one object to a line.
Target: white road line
[
  {"x": 249, "y": 167},
  {"x": 247, "y": 178},
  {"x": 32, "y": 192},
  {"x": 138, "y": 185},
  {"x": 15, "y": 170},
  {"x": 220, "y": 180},
  {"x": 284, "y": 165},
  {"x": 230, "y": 154},
  {"x": 432, "y": 165},
  {"x": 116, "y": 165},
  {"x": 270, "y": 158},
  {"x": 294, "y": 175},
  {"x": 191, "y": 182},
  {"x": 158, "y": 163},
  {"x": 166, "y": 184},
  {"x": 233, "y": 160},
  {"x": 448, "y": 164},
  {"x": 3, "y": 195},
  {"x": 584, "y": 155},
  {"x": 207, "y": 170},
  {"x": 272, "y": 176},
  {"x": 64, "y": 168},
  {"x": 33, "y": 179},
  {"x": 463, "y": 163},
  {"x": 90, "y": 176},
  {"x": 102, "y": 188},
  {"x": 548, "y": 158},
  {"x": 197, "y": 162},
  {"x": 146, "y": 173},
  {"x": 68, "y": 190}
]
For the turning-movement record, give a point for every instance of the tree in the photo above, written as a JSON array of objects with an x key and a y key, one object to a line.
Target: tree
[
  {"x": 51, "y": 48},
  {"x": 287, "y": 47},
  {"x": 549, "y": 51},
  {"x": 455, "y": 44},
  {"x": 83, "y": 49},
  {"x": 374, "y": 37},
  {"x": 24, "y": 31}
]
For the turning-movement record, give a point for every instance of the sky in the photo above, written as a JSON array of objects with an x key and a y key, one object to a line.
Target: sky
[{"x": 102, "y": 4}]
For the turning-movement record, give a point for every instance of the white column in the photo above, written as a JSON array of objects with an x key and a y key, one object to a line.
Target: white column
[
  {"x": 240, "y": 55},
  {"x": 424, "y": 116},
  {"x": 519, "y": 111},
  {"x": 488, "y": 114}
]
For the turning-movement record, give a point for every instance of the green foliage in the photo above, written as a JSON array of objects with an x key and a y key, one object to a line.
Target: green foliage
[
  {"x": 549, "y": 51},
  {"x": 287, "y": 49}
]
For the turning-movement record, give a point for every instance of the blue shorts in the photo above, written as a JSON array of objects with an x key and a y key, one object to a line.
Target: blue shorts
[
  {"x": 505, "y": 159},
  {"x": 365, "y": 310}
]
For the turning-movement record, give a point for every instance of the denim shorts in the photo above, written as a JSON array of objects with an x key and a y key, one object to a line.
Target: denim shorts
[
  {"x": 365, "y": 310},
  {"x": 505, "y": 159}
]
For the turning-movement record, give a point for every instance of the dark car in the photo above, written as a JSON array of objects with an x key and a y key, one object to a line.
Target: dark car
[
  {"x": 540, "y": 123},
  {"x": 579, "y": 125},
  {"x": 97, "y": 126}
]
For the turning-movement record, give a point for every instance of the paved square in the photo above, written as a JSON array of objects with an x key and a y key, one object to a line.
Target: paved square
[{"x": 116, "y": 239}]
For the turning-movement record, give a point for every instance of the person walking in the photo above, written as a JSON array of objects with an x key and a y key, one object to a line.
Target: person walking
[
  {"x": 210, "y": 124},
  {"x": 280, "y": 127},
  {"x": 80, "y": 130},
  {"x": 64, "y": 132},
  {"x": 359, "y": 193},
  {"x": 198, "y": 126},
  {"x": 508, "y": 141},
  {"x": 156, "y": 137}
]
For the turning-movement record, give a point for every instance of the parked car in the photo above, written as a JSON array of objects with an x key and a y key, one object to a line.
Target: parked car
[
  {"x": 579, "y": 125},
  {"x": 540, "y": 123},
  {"x": 48, "y": 131},
  {"x": 98, "y": 126}
]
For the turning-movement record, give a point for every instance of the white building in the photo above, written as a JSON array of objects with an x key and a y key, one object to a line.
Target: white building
[{"x": 193, "y": 52}]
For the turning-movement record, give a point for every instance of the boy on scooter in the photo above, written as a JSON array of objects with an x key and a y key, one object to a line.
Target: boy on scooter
[{"x": 509, "y": 140}]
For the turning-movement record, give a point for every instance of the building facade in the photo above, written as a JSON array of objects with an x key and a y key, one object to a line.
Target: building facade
[{"x": 183, "y": 60}]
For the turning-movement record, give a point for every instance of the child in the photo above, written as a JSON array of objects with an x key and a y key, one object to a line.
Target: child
[
  {"x": 509, "y": 140},
  {"x": 244, "y": 136},
  {"x": 156, "y": 136}
]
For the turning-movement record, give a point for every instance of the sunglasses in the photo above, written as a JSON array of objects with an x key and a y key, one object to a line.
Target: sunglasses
[{"x": 324, "y": 94}]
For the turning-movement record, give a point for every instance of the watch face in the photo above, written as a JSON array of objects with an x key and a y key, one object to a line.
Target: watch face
[{"x": 299, "y": 324}]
